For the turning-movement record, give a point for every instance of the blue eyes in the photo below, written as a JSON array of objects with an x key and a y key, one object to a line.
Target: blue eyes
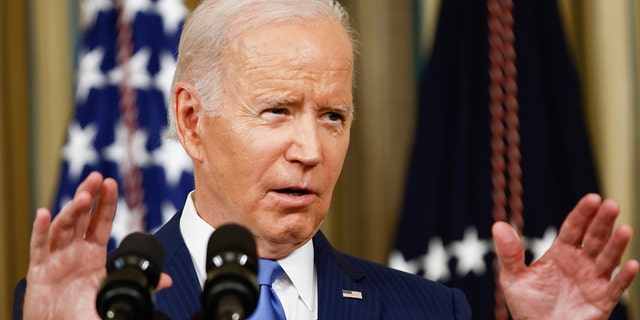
[
  {"x": 278, "y": 111},
  {"x": 334, "y": 116}
]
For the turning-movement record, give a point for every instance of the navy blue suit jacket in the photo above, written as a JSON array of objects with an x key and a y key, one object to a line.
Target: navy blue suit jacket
[{"x": 386, "y": 293}]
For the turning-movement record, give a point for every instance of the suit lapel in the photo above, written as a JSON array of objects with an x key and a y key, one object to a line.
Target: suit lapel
[
  {"x": 335, "y": 274},
  {"x": 183, "y": 299}
]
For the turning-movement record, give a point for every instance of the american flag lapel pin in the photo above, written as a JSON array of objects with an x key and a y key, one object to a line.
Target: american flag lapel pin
[{"x": 352, "y": 294}]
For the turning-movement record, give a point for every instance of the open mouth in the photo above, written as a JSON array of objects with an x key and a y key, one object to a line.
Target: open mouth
[{"x": 293, "y": 192}]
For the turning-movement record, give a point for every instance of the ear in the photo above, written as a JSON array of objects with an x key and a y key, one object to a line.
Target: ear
[{"x": 188, "y": 113}]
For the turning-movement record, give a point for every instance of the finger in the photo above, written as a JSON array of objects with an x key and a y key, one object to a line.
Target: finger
[
  {"x": 623, "y": 279},
  {"x": 63, "y": 226},
  {"x": 91, "y": 184},
  {"x": 611, "y": 256},
  {"x": 509, "y": 248},
  {"x": 575, "y": 225},
  {"x": 164, "y": 282},
  {"x": 599, "y": 230},
  {"x": 72, "y": 219},
  {"x": 99, "y": 229},
  {"x": 39, "y": 246}
]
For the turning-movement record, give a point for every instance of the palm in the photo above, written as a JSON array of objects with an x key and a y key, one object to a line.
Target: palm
[
  {"x": 559, "y": 291},
  {"x": 80, "y": 268},
  {"x": 573, "y": 279}
]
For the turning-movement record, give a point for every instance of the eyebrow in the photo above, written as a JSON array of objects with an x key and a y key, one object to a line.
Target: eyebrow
[
  {"x": 343, "y": 107},
  {"x": 284, "y": 99},
  {"x": 272, "y": 99}
]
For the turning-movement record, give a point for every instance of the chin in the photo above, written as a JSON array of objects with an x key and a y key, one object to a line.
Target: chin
[
  {"x": 298, "y": 227},
  {"x": 279, "y": 246},
  {"x": 293, "y": 229},
  {"x": 292, "y": 236}
]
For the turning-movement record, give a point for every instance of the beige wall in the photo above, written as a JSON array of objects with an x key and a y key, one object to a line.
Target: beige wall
[
  {"x": 30, "y": 141},
  {"x": 14, "y": 150},
  {"x": 52, "y": 56}
]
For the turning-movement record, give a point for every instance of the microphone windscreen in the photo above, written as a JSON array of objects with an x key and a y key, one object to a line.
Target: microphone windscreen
[
  {"x": 142, "y": 244},
  {"x": 231, "y": 238},
  {"x": 133, "y": 271},
  {"x": 231, "y": 289}
]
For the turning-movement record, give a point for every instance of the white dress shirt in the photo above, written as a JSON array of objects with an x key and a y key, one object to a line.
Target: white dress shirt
[{"x": 297, "y": 288}]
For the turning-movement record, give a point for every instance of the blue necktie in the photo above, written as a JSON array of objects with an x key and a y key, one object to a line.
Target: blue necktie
[{"x": 269, "y": 306}]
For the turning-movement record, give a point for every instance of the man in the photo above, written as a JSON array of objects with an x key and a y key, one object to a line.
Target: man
[{"x": 262, "y": 103}]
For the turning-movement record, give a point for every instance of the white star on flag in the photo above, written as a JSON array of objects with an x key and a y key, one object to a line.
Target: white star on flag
[
  {"x": 79, "y": 151},
  {"x": 90, "y": 10},
  {"x": 136, "y": 67},
  {"x": 397, "y": 261},
  {"x": 132, "y": 7},
  {"x": 436, "y": 261},
  {"x": 164, "y": 78},
  {"x": 470, "y": 253},
  {"x": 172, "y": 12},
  {"x": 90, "y": 75},
  {"x": 539, "y": 246},
  {"x": 118, "y": 152},
  {"x": 173, "y": 159},
  {"x": 125, "y": 222}
]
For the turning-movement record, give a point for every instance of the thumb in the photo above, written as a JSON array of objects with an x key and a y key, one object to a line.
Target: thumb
[
  {"x": 509, "y": 248},
  {"x": 164, "y": 282}
]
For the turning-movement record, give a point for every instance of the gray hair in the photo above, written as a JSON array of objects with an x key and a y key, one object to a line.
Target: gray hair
[{"x": 214, "y": 23}]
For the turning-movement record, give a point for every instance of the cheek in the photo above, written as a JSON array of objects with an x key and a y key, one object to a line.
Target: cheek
[
  {"x": 337, "y": 153},
  {"x": 234, "y": 142},
  {"x": 245, "y": 158},
  {"x": 228, "y": 153}
]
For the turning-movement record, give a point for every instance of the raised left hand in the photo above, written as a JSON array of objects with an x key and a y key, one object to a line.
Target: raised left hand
[{"x": 573, "y": 279}]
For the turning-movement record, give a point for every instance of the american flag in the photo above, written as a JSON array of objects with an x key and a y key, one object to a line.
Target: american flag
[
  {"x": 352, "y": 294},
  {"x": 126, "y": 62}
]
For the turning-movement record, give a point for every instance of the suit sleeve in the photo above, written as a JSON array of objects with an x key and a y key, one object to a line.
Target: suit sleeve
[
  {"x": 18, "y": 299},
  {"x": 461, "y": 308}
]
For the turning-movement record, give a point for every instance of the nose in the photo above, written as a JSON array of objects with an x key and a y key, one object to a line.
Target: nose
[{"x": 306, "y": 143}]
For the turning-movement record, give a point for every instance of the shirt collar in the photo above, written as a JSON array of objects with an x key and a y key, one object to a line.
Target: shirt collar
[
  {"x": 195, "y": 232},
  {"x": 300, "y": 269}
]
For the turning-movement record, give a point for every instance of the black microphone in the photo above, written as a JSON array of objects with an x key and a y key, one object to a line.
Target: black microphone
[
  {"x": 231, "y": 290},
  {"x": 133, "y": 272}
]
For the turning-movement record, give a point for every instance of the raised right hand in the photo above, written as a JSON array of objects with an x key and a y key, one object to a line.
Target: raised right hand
[{"x": 68, "y": 256}]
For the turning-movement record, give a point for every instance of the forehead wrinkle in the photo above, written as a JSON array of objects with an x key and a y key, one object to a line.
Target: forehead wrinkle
[
  {"x": 245, "y": 53},
  {"x": 271, "y": 97},
  {"x": 269, "y": 69},
  {"x": 259, "y": 66}
]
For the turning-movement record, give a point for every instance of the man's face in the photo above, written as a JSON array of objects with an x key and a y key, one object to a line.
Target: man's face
[{"x": 271, "y": 157}]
